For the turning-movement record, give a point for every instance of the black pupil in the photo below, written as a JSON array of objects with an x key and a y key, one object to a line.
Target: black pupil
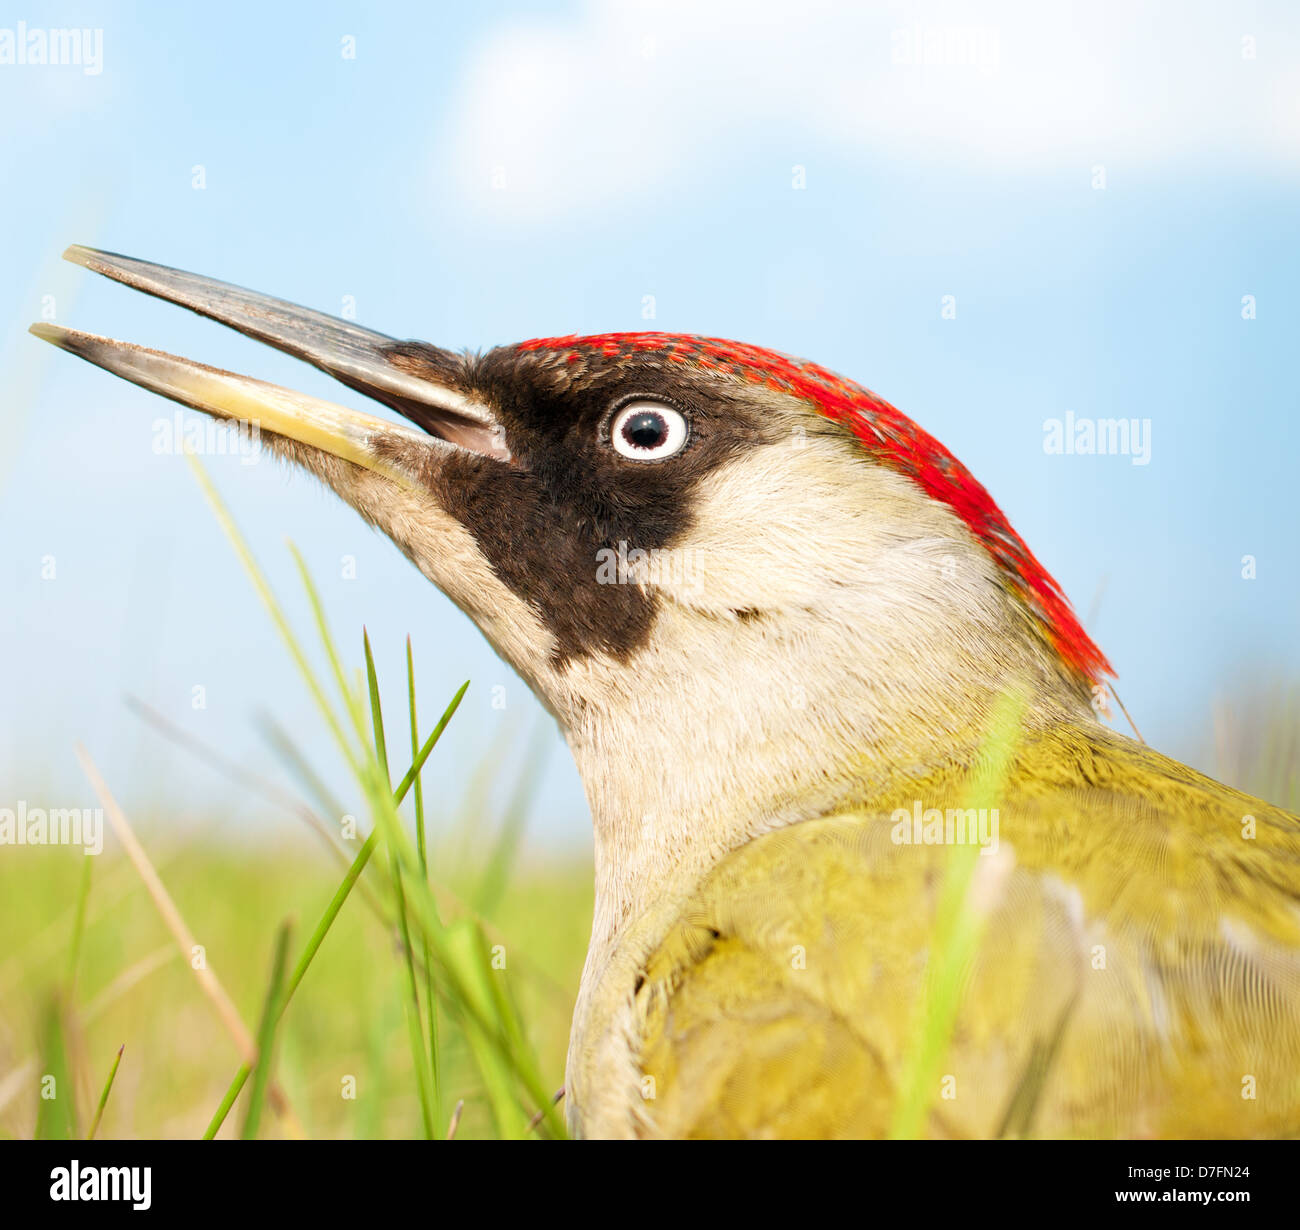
[{"x": 649, "y": 429}]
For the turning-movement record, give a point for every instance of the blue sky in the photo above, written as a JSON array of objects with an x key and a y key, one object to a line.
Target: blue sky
[{"x": 1095, "y": 190}]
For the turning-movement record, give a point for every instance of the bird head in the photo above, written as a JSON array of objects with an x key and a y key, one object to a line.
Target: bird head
[{"x": 744, "y": 586}]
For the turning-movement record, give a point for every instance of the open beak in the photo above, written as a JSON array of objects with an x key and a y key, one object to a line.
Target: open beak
[{"x": 413, "y": 378}]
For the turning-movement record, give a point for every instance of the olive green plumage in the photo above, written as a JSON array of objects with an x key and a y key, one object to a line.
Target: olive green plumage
[{"x": 1137, "y": 974}]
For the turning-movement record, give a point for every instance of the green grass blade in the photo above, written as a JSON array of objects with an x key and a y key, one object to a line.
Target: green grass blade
[
  {"x": 457, "y": 971},
  {"x": 466, "y": 938},
  {"x": 958, "y": 929},
  {"x": 103, "y": 1097},
  {"x": 414, "y": 1029},
  {"x": 363, "y": 769},
  {"x": 376, "y": 709},
  {"x": 336, "y": 904},
  {"x": 56, "y": 1115},
  {"x": 422, "y": 849},
  {"x": 462, "y": 971},
  {"x": 266, "y": 1035}
]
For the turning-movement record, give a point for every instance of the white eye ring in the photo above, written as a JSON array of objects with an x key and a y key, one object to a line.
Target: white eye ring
[{"x": 648, "y": 431}]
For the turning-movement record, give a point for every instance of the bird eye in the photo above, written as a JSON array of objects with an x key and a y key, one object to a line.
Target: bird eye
[{"x": 648, "y": 431}]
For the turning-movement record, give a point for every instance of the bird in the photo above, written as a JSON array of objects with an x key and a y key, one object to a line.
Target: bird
[{"x": 868, "y": 860}]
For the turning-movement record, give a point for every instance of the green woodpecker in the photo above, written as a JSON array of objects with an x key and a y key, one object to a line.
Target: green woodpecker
[{"x": 777, "y": 623}]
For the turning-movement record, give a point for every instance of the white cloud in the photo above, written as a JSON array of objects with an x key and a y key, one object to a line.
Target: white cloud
[{"x": 556, "y": 115}]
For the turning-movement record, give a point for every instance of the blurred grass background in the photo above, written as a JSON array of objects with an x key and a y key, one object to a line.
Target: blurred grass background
[{"x": 132, "y": 986}]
